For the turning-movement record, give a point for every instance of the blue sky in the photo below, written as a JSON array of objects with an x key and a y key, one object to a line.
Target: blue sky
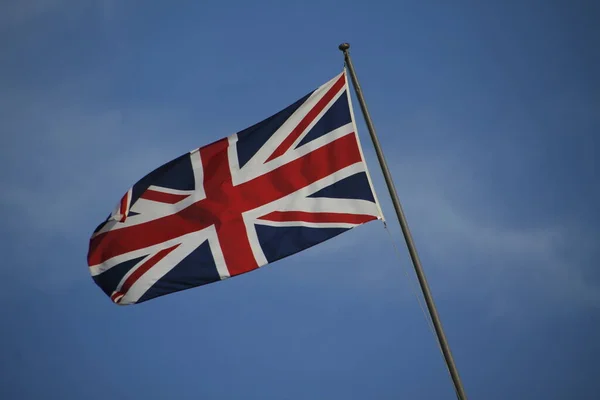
[{"x": 488, "y": 115}]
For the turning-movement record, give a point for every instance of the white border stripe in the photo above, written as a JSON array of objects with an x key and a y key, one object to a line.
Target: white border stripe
[
  {"x": 280, "y": 204},
  {"x": 217, "y": 252},
  {"x": 360, "y": 148},
  {"x": 308, "y": 224},
  {"x": 232, "y": 156},
  {"x": 198, "y": 169},
  {"x": 257, "y": 250},
  {"x": 329, "y": 205},
  {"x": 170, "y": 191}
]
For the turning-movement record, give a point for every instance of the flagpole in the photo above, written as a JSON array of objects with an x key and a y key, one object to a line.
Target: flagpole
[{"x": 460, "y": 392}]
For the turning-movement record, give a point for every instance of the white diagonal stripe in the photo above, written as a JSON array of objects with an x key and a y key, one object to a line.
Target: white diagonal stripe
[
  {"x": 170, "y": 261},
  {"x": 249, "y": 174},
  {"x": 286, "y": 128},
  {"x": 329, "y": 205}
]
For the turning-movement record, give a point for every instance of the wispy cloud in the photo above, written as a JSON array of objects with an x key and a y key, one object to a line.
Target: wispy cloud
[
  {"x": 484, "y": 250},
  {"x": 75, "y": 159},
  {"x": 75, "y": 153},
  {"x": 64, "y": 164}
]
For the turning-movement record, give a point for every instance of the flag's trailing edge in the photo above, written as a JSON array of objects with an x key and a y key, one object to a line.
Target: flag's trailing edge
[{"x": 292, "y": 181}]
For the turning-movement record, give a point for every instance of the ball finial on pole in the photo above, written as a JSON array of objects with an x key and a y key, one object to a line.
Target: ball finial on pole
[{"x": 344, "y": 47}]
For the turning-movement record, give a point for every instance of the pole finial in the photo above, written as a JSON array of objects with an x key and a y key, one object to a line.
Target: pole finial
[{"x": 344, "y": 47}]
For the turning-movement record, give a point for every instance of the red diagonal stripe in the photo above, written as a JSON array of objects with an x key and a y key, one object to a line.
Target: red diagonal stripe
[
  {"x": 162, "y": 197},
  {"x": 309, "y": 118},
  {"x": 293, "y": 216},
  {"x": 142, "y": 269}
]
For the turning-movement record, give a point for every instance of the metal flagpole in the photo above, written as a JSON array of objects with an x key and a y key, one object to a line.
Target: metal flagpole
[{"x": 460, "y": 392}]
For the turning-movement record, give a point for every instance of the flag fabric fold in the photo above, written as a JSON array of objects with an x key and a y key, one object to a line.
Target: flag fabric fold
[{"x": 281, "y": 186}]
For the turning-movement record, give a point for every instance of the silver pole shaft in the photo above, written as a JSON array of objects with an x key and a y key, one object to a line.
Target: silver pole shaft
[{"x": 460, "y": 392}]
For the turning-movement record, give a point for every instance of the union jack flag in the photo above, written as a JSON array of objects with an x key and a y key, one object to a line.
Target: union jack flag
[{"x": 285, "y": 184}]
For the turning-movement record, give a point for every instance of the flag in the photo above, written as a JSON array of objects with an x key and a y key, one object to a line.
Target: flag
[{"x": 276, "y": 188}]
